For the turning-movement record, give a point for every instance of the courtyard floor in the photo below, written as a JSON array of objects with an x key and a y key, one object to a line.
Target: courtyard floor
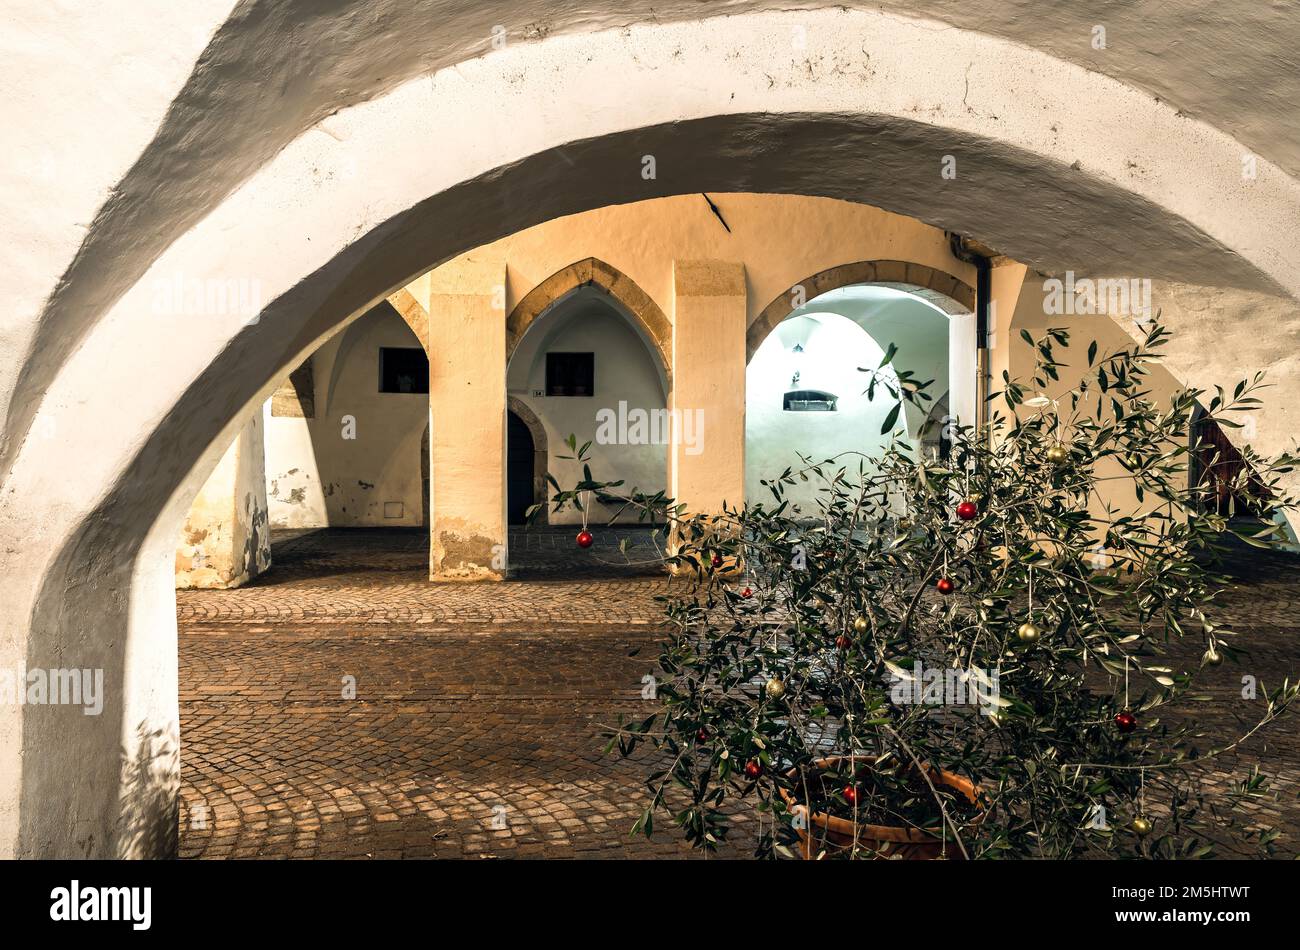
[{"x": 474, "y": 731}]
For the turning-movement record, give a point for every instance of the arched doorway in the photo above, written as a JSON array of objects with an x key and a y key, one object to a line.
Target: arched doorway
[
  {"x": 813, "y": 354},
  {"x": 584, "y": 346},
  {"x": 520, "y": 453}
]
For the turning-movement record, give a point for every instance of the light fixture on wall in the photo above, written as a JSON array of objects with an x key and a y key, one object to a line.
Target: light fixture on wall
[{"x": 803, "y": 399}]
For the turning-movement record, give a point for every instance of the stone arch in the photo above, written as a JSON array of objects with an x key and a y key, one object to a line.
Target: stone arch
[
  {"x": 541, "y": 451},
  {"x": 111, "y": 471},
  {"x": 413, "y": 313},
  {"x": 647, "y": 317},
  {"x": 946, "y": 292}
]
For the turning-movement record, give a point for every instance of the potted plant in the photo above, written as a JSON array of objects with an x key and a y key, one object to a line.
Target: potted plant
[{"x": 965, "y": 657}]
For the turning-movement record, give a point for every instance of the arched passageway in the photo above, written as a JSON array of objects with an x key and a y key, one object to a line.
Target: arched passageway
[
  {"x": 583, "y": 366},
  {"x": 808, "y": 384},
  {"x": 807, "y": 333},
  {"x": 122, "y": 465}
]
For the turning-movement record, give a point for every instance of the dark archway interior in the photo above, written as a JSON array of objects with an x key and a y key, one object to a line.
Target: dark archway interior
[{"x": 519, "y": 470}]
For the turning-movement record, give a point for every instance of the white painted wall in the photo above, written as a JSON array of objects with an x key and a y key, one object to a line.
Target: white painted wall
[
  {"x": 833, "y": 349},
  {"x": 314, "y": 476},
  {"x": 625, "y": 371},
  {"x": 919, "y": 330}
]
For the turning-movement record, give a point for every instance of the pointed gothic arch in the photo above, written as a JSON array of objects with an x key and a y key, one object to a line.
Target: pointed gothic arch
[{"x": 647, "y": 316}]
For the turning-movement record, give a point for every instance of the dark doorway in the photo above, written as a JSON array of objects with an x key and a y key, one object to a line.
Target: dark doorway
[
  {"x": 520, "y": 453},
  {"x": 1218, "y": 466}
]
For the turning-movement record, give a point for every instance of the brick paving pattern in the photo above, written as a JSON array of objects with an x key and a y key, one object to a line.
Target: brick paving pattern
[{"x": 474, "y": 731}]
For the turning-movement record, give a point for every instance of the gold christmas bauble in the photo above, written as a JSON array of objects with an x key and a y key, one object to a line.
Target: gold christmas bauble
[
  {"x": 1028, "y": 632},
  {"x": 1213, "y": 657},
  {"x": 860, "y": 625},
  {"x": 775, "y": 688},
  {"x": 1057, "y": 454},
  {"x": 1141, "y": 826}
]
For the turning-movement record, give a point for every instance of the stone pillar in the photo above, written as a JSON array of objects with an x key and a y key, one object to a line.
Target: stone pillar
[
  {"x": 706, "y": 467},
  {"x": 226, "y": 539},
  {"x": 467, "y": 404}
]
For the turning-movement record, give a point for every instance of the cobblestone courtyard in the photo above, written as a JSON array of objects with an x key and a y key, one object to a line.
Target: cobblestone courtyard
[{"x": 474, "y": 731}]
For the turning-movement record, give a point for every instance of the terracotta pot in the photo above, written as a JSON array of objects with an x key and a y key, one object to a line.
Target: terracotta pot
[{"x": 832, "y": 834}]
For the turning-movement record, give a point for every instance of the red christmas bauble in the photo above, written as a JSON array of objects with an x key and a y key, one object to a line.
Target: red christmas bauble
[
  {"x": 585, "y": 539},
  {"x": 702, "y": 735},
  {"x": 843, "y": 642},
  {"x": 753, "y": 768},
  {"x": 851, "y": 794},
  {"x": 746, "y": 593},
  {"x": 944, "y": 585},
  {"x": 967, "y": 510},
  {"x": 717, "y": 560},
  {"x": 1126, "y": 721}
]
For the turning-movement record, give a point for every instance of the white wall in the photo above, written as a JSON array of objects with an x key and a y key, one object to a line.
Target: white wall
[
  {"x": 314, "y": 476},
  {"x": 833, "y": 349},
  {"x": 625, "y": 371}
]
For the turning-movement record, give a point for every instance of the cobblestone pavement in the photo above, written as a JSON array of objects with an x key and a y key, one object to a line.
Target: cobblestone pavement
[{"x": 475, "y": 727}]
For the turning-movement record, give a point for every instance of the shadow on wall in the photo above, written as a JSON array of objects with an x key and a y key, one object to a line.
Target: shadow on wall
[
  {"x": 76, "y": 800},
  {"x": 150, "y": 789}
]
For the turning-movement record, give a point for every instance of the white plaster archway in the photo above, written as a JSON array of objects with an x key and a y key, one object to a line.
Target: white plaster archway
[{"x": 1045, "y": 153}]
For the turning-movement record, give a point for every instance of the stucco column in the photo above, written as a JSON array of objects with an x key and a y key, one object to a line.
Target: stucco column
[
  {"x": 706, "y": 461},
  {"x": 467, "y": 405},
  {"x": 226, "y": 540},
  {"x": 1005, "y": 284}
]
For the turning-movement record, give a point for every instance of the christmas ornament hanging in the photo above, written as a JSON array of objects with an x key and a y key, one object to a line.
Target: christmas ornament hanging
[
  {"x": 585, "y": 538},
  {"x": 1141, "y": 826},
  {"x": 746, "y": 593},
  {"x": 774, "y": 688},
  {"x": 843, "y": 642},
  {"x": 753, "y": 768},
  {"x": 717, "y": 560},
  {"x": 944, "y": 585},
  {"x": 702, "y": 734},
  {"x": 851, "y": 794},
  {"x": 1213, "y": 657},
  {"x": 1125, "y": 721},
  {"x": 967, "y": 510},
  {"x": 860, "y": 625},
  {"x": 1028, "y": 632},
  {"x": 1058, "y": 454}
]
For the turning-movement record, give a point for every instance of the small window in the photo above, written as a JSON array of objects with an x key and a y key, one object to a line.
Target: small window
[
  {"x": 403, "y": 370},
  {"x": 570, "y": 374},
  {"x": 809, "y": 400}
]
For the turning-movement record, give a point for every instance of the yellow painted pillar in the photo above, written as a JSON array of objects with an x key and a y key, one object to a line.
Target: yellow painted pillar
[
  {"x": 1005, "y": 284},
  {"x": 706, "y": 461},
  {"x": 467, "y": 405}
]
